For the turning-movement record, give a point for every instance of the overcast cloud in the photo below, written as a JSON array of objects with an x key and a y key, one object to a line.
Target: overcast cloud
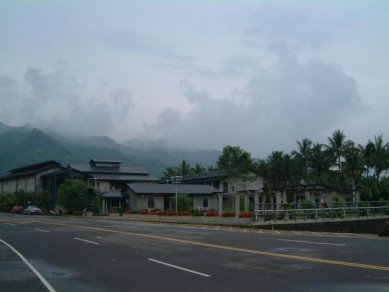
[{"x": 256, "y": 74}]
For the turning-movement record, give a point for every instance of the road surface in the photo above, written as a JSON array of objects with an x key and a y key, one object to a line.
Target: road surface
[{"x": 81, "y": 254}]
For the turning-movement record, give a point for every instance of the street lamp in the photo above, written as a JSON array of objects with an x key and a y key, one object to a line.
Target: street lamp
[{"x": 176, "y": 179}]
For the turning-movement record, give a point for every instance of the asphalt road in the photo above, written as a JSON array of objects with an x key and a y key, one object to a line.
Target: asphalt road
[{"x": 77, "y": 254}]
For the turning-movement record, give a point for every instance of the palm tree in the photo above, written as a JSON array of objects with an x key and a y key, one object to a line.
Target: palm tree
[
  {"x": 353, "y": 165},
  {"x": 169, "y": 172},
  {"x": 198, "y": 168},
  {"x": 184, "y": 168},
  {"x": 280, "y": 169},
  {"x": 302, "y": 154},
  {"x": 367, "y": 155},
  {"x": 320, "y": 161},
  {"x": 338, "y": 145},
  {"x": 380, "y": 156}
]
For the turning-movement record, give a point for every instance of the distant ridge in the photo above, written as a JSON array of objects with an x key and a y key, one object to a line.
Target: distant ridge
[{"x": 25, "y": 145}]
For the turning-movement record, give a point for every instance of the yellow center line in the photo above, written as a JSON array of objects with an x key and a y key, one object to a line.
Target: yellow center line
[{"x": 231, "y": 248}]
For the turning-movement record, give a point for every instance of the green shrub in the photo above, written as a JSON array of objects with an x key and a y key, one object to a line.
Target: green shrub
[{"x": 7, "y": 201}]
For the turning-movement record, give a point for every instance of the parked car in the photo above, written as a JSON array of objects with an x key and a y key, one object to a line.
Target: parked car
[
  {"x": 32, "y": 210},
  {"x": 17, "y": 210}
]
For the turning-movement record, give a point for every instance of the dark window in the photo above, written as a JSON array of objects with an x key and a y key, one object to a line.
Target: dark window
[
  {"x": 225, "y": 187},
  {"x": 205, "y": 202},
  {"x": 216, "y": 184},
  {"x": 150, "y": 202}
]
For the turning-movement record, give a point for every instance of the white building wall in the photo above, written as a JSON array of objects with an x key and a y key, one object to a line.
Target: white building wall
[{"x": 198, "y": 202}]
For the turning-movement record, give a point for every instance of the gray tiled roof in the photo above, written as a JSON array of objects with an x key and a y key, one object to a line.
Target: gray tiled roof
[
  {"x": 112, "y": 194},
  {"x": 206, "y": 176},
  {"x": 98, "y": 169},
  {"x": 124, "y": 177},
  {"x": 170, "y": 189}
]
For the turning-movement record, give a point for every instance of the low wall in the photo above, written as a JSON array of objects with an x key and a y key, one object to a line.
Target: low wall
[
  {"x": 368, "y": 226},
  {"x": 185, "y": 219}
]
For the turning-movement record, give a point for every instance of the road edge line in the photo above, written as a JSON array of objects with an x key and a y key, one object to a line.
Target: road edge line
[{"x": 39, "y": 275}]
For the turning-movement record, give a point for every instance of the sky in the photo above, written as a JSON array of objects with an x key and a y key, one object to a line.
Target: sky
[{"x": 197, "y": 74}]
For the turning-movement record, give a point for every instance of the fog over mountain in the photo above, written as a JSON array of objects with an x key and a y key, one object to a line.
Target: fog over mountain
[
  {"x": 20, "y": 146},
  {"x": 255, "y": 74}
]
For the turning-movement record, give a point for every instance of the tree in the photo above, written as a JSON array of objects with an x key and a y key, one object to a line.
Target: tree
[
  {"x": 184, "y": 202},
  {"x": 169, "y": 172},
  {"x": 380, "y": 156},
  {"x": 353, "y": 165},
  {"x": 320, "y": 161},
  {"x": 303, "y": 154},
  {"x": 44, "y": 200},
  {"x": 236, "y": 164},
  {"x": 198, "y": 168},
  {"x": 281, "y": 169},
  {"x": 337, "y": 146},
  {"x": 22, "y": 198},
  {"x": 71, "y": 195},
  {"x": 184, "y": 168}
]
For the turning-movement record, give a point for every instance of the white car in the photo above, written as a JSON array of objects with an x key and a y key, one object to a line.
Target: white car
[{"x": 32, "y": 210}]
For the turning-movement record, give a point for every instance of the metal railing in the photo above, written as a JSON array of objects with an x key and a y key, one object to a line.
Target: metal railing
[{"x": 291, "y": 212}]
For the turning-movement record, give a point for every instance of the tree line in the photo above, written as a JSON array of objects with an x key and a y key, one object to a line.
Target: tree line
[{"x": 340, "y": 164}]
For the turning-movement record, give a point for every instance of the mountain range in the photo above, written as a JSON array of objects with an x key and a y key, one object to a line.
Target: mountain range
[{"x": 20, "y": 146}]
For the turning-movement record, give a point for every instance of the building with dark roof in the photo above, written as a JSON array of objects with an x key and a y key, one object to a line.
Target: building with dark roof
[
  {"x": 109, "y": 175},
  {"x": 28, "y": 178},
  {"x": 159, "y": 196}
]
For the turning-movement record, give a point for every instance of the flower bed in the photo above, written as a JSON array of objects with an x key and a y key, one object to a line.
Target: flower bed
[
  {"x": 172, "y": 213},
  {"x": 228, "y": 214},
  {"x": 245, "y": 215},
  {"x": 212, "y": 214},
  {"x": 165, "y": 213},
  {"x": 150, "y": 212}
]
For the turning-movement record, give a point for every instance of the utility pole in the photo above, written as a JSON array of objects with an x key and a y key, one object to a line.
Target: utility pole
[{"x": 176, "y": 179}]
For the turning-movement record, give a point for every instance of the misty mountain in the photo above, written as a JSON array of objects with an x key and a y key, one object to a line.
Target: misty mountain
[
  {"x": 171, "y": 156},
  {"x": 21, "y": 146}
]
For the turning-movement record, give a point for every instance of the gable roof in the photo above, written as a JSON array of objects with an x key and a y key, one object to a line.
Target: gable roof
[
  {"x": 90, "y": 169},
  {"x": 36, "y": 167},
  {"x": 32, "y": 169},
  {"x": 204, "y": 177},
  {"x": 170, "y": 189}
]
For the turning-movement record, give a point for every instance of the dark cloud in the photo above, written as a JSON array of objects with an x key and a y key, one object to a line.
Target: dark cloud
[
  {"x": 8, "y": 98},
  {"x": 279, "y": 105},
  {"x": 142, "y": 44},
  {"x": 57, "y": 100}
]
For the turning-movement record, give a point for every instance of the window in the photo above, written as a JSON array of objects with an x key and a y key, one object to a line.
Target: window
[
  {"x": 205, "y": 202},
  {"x": 225, "y": 187},
  {"x": 150, "y": 202}
]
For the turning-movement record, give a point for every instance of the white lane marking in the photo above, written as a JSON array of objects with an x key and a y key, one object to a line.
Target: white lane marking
[
  {"x": 312, "y": 242},
  {"x": 344, "y": 235},
  {"x": 80, "y": 239},
  {"x": 39, "y": 275},
  {"x": 297, "y": 233},
  {"x": 10, "y": 224},
  {"x": 99, "y": 237},
  {"x": 315, "y": 233},
  {"x": 179, "y": 268},
  {"x": 41, "y": 230},
  {"x": 192, "y": 232}
]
